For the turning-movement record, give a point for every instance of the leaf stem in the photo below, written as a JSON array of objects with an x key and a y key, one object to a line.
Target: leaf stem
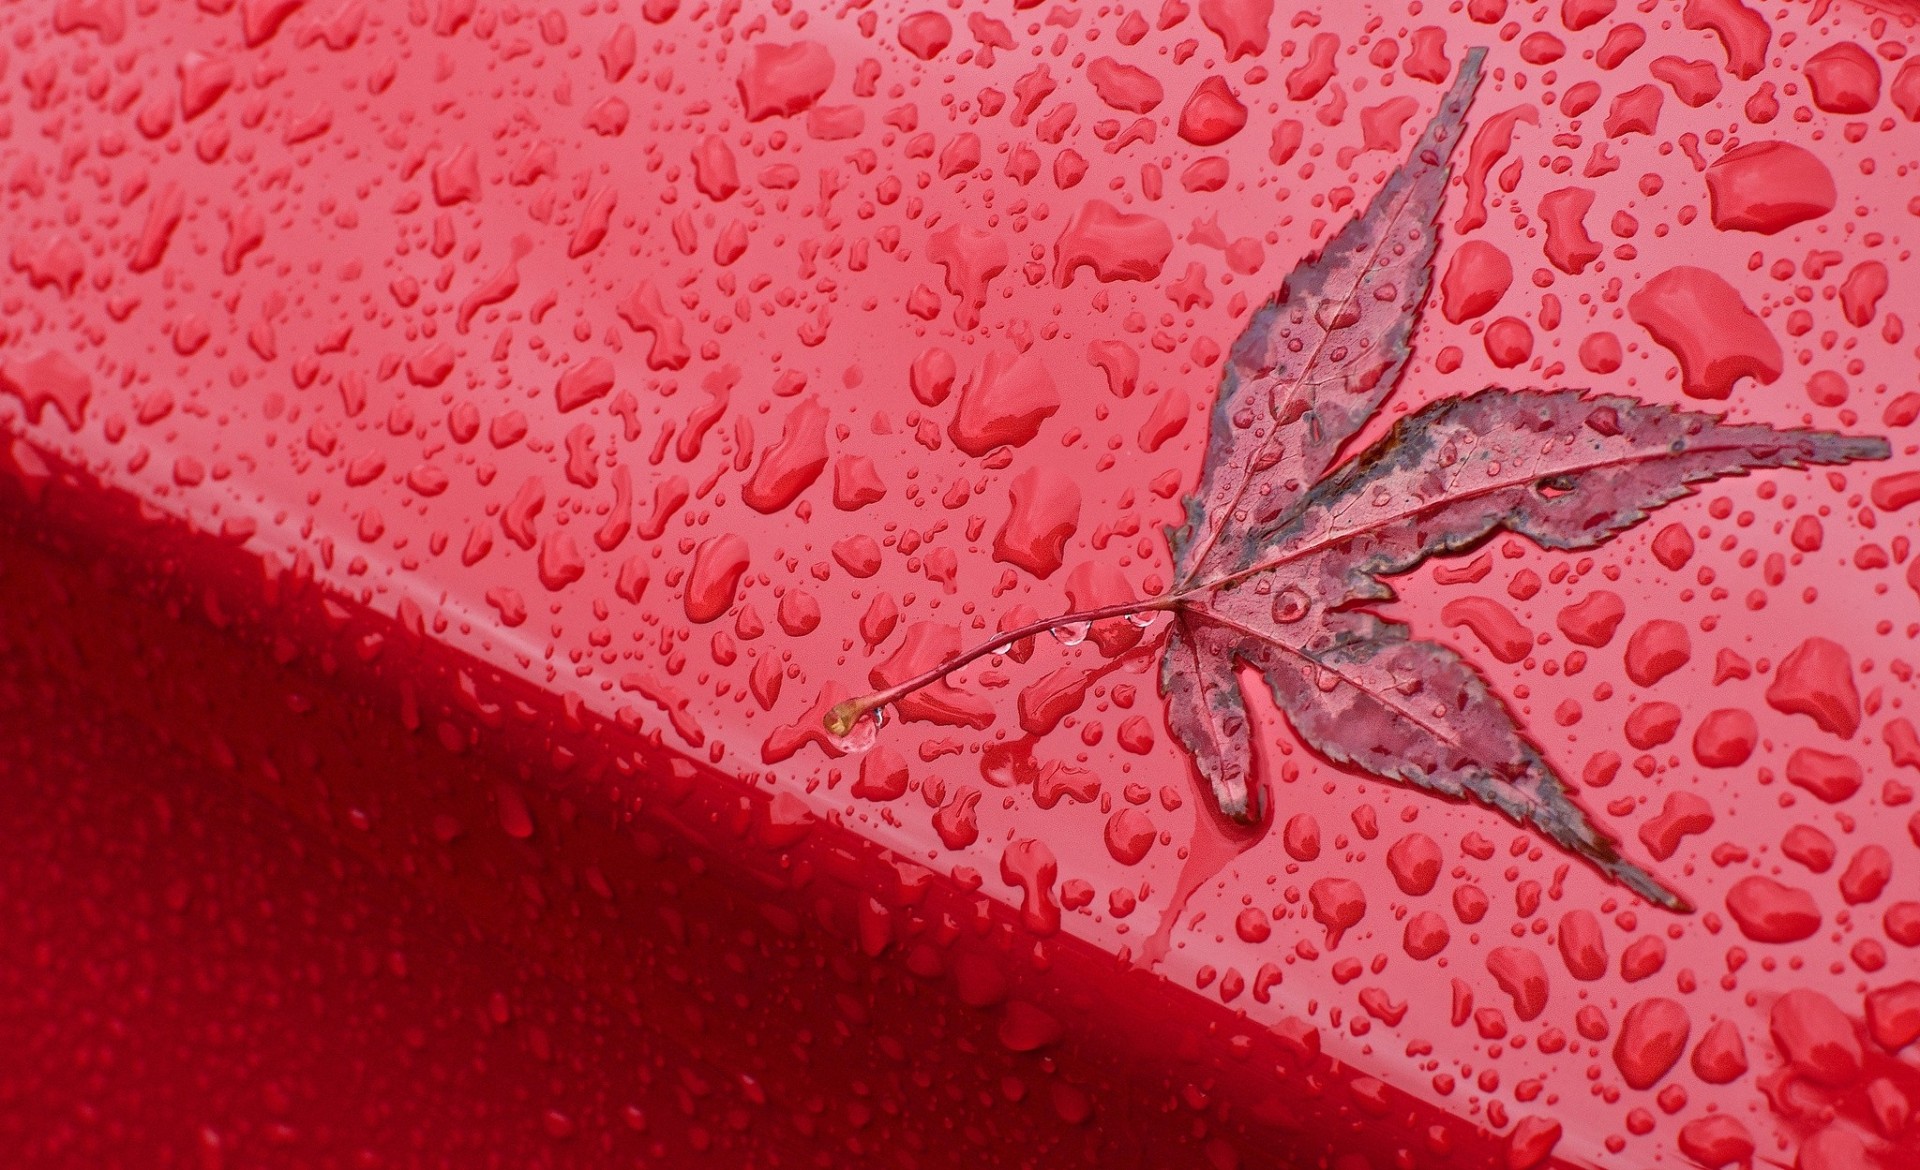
[{"x": 841, "y": 719}]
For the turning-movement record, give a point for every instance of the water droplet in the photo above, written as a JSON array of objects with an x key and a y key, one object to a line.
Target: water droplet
[
  {"x": 864, "y": 733},
  {"x": 1291, "y": 605},
  {"x": 1072, "y": 633}
]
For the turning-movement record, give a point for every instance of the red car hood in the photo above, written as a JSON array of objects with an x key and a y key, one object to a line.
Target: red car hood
[{"x": 534, "y": 419}]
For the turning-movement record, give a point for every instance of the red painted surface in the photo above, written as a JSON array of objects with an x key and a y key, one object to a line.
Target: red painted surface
[{"x": 477, "y": 442}]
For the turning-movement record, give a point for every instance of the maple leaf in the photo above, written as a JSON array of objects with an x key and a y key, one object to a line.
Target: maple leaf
[{"x": 1284, "y": 544}]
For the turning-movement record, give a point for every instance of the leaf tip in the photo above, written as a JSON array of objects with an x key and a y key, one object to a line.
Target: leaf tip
[
  {"x": 1468, "y": 79},
  {"x": 1255, "y": 807},
  {"x": 1857, "y": 447},
  {"x": 1242, "y": 806},
  {"x": 1442, "y": 134},
  {"x": 1644, "y": 884}
]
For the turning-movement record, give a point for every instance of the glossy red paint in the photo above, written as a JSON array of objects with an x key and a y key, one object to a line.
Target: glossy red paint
[{"x": 456, "y": 453}]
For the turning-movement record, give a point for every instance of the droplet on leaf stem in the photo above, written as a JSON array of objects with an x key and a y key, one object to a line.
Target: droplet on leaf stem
[
  {"x": 1071, "y": 633},
  {"x": 854, "y": 728}
]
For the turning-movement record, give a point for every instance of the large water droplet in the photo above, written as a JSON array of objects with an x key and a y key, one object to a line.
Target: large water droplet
[{"x": 864, "y": 733}]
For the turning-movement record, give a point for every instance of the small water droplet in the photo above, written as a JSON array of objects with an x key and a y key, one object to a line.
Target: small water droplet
[
  {"x": 1072, "y": 633},
  {"x": 1290, "y": 605}
]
